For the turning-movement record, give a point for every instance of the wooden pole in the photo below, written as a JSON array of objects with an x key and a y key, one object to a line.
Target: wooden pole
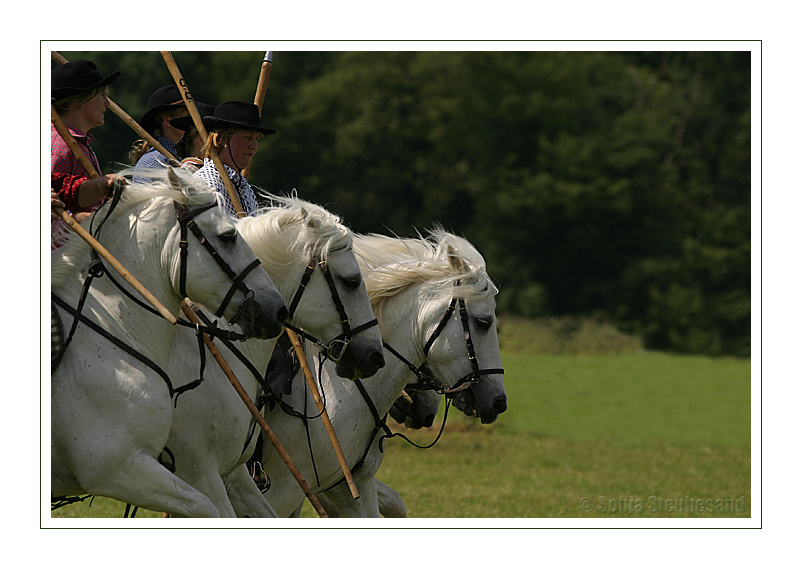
[
  {"x": 85, "y": 235},
  {"x": 82, "y": 158},
  {"x": 196, "y": 118},
  {"x": 261, "y": 90},
  {"x": 323, "y": 414},
  {"x": 127, "y": 119},
  {"x": 264, "y": 79},
  {"x": 108, "y": 257},
  {"x": 256, "y": 414}
]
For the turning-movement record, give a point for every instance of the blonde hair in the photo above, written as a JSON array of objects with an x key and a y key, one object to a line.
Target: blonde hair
[
  {"x": 217, "y": 139},
  {"x": 68, "y": 103}
]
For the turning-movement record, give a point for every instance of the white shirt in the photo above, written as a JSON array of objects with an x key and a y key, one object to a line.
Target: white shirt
[{"x": 209, "y": 174}]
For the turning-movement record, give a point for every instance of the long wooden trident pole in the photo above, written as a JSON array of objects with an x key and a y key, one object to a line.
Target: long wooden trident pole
[
  {"x": 193, "y": 111},
  {"x": 196, "y": 118},
  {"x": 261, "y": 90}
]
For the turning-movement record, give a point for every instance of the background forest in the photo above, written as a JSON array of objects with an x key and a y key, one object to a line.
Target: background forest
[{"x": 612, "y": 186}]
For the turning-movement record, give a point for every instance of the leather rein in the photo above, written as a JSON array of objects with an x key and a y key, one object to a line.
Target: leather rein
[{"x": 185, "y": 218}]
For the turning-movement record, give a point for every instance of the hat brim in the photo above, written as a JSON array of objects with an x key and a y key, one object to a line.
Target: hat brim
[
  {"x": 183, "y": 123},
  {"x": 212, "y": 123},
  {"x": 65, "y": 92}
]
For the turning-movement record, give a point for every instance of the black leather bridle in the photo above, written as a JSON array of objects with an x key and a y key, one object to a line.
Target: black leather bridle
[
  {"x": 186, "y": 221},
  {"x": 335, "y": 349},
  {"x": 424, "y": 374}
]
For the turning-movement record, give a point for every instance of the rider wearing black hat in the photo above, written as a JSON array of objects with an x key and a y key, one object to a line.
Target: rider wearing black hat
[
  {"x": 164, "y": 105},
  {"x": 78, "y": 94},
  {"x": 234, "y": 132},
  {"x": 191, "y": 144}
]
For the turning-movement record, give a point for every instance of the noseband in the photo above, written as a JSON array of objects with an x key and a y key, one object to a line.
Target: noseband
[
  {"x": 422, "y": 372},
  {"x": 186, "y": 221},
  {"x": 335, "y": 349}
]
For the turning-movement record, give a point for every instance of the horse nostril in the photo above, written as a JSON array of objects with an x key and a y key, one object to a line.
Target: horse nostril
[
  {"x": 377, "y": 359},
  {"x": 282, "y": 314},
  {"x": 500, "y": 405}
]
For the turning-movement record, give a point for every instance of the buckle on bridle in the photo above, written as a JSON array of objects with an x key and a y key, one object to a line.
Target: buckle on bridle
[{"x": 336, "y": 348}]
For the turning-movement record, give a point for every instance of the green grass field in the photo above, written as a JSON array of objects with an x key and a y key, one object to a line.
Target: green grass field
[{"x": 595, "y": 427}]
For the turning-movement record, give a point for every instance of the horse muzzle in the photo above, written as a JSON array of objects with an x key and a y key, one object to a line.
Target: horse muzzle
[
  {"x": 263, "y": 320},
  {"x": 358, "y": 361},
  {"x": 486, "y": 408}
]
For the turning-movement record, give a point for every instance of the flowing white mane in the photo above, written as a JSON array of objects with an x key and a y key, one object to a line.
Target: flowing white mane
[
  {"x": 292, "y": 230},
  {"x": 449, "y": 264},
  {"x": 75, "y": 253}
]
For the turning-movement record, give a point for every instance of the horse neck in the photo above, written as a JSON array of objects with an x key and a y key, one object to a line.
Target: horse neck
[
  {"x": 402, "y": 329},
  {"x": 140, "y": 251}
]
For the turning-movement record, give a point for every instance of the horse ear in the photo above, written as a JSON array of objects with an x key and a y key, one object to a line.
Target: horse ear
[
  {"x": 175, "y": 181},
  {"x": 456, "y": 261},
  {"x": 310, "y": 221}
]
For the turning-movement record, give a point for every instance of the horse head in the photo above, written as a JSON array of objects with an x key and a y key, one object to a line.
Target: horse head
[
  {"x": 212, "y": 265},
  {"x": 462, "y": 349},
  {"x": 309, "y": 253},
  {"x": 417, "y": 407}
]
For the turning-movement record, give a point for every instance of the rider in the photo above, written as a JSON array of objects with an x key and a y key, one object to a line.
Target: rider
[
  {"x": 234, "y": 132},
  {"x": 164, "y": 105},
  {"x": 190, "y": 146},
  {"x": 78, "y": 94}
]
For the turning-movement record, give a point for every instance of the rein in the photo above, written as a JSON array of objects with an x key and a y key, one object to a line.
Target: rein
[
  {"x": 96, "y": 269},
  {"x": 427, "y": 379}
]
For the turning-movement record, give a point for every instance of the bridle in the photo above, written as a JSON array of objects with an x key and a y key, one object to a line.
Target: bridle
[
  {"x": 185, "y": 218},
  {"x": 186, "y": 221},
  {"x": 424, "y": 374},
  {"x": 335, "y": 349}
]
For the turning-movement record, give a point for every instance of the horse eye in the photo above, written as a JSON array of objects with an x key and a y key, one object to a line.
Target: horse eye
[
  {"x": 351, "y": 283},
  {"x": 484, "y": 324},
  {"x": 229, "y": 237}
]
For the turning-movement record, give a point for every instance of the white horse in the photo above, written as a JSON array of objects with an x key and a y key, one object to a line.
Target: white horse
[
  {"x": 413, "y": 283},
  {"x": 309, "y": 255},
  {"x": 112, "y": 400}
]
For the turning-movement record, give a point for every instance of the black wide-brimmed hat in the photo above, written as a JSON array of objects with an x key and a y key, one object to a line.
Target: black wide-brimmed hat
[
  {"x": 236, "y": 114},
  {"x": 76, "y": 76},
  {"x": 163, "y": 99},
  {"x": 204, "y": 110}
]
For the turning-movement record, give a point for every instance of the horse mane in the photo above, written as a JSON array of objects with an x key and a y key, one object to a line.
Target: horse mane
[
  {"x": 449, "y": 265},
  {"x": 289, "y": 229},
  {"x": 74, "y": 254}
]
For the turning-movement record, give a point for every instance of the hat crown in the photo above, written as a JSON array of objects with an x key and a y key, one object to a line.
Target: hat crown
[
  {"x": 239, "y": 112},
  {"x": 236, "y": 114},
  {"x": 166, "y": 95},
  {"x": 78, "y": 75}
]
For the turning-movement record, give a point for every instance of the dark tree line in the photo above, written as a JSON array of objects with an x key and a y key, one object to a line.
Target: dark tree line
[{"x": 613, "y": 185}]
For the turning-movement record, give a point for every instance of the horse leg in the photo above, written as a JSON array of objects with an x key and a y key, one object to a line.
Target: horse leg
[
  {"x": 390, "y": 503},
  {"x": 144, "y": 482},
  {"x": 210, "y": 484},
  {"x": 366, "y": 507},
  {"x": 245, "y": 496}
]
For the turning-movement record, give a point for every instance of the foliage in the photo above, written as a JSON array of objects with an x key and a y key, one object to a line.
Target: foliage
[{"x": 611, "y": 185}]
